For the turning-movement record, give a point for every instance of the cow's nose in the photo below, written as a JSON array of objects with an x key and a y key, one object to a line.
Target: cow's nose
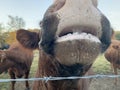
[{"x": 79, "y": 13}]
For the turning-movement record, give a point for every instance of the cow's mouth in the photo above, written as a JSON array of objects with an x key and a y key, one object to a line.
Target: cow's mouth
[
  {"x": 78, "y": 33},
  {"x": 78, "y": 36},
  {"x": 77, "y": 46}
]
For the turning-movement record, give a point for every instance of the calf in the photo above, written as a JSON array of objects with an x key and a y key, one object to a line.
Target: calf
[{"x": 17, "y": 60}]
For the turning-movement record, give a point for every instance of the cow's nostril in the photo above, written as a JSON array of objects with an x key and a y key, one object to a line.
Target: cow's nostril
[
  {"x": 65, "y": 33},
  {"x": 78, "y": 29}
]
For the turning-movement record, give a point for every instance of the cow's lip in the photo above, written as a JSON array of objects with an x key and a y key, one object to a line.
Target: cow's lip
[
  {"x": 78, "y": 33},
  {"x": 78, "y": 36}
]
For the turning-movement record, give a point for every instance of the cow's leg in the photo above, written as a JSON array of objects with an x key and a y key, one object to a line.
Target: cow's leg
[
  {"x": 26, "y": 82},
  {"x": 12, "y": 76},
  {"x": 115, "y": 72}
]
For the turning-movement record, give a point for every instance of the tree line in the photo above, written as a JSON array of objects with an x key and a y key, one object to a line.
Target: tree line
[{"x": 14, "y": 23}]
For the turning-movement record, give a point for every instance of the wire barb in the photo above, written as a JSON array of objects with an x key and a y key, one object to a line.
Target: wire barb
[{"x": 46, "y": 79}]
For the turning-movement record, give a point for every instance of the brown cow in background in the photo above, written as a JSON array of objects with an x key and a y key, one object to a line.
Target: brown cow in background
[
  {"x": 74, "y": 33},
  {"x": 112, "y": 54},
  {"x": 17, "y": 60}
]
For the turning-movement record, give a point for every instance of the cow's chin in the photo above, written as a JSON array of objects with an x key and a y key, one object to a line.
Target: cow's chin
[{"x": 77, "y": 48}]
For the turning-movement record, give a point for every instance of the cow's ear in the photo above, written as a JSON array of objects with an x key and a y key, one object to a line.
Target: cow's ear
[{"x": 27, "y": 38}]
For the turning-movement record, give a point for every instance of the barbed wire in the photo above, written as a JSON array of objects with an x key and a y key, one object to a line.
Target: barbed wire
[{"x": 46, "y": 79}]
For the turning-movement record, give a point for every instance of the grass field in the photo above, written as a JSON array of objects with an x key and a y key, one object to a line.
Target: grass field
[{"x": 101, "y": 66}]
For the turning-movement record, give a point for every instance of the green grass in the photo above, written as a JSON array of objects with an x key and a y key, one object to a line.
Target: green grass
[
  {"x": 34, "y": 64},
  {"x": 101, "y": 66},
  {"x": 4, "y": 86}
]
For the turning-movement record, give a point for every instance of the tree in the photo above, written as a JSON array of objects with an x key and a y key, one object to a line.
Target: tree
[
  {"x": 15, "y": 23},
  {"x": 1, "y": 27},
  {"x": 3, "y": 35}
]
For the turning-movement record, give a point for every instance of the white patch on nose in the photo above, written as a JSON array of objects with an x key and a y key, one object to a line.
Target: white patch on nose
[{"x": 79, "y": 13}]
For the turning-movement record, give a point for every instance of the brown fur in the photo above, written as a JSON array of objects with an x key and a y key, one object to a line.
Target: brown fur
[
  {"x": 48, "y": 66},
  {"x": 28, "y": 39},
  {"x": 17, "y": 60},
  {"x": 113, "y": 55}
]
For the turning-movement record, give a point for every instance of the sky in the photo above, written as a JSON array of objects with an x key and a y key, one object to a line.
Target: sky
[{"x": 32, "y": 11}]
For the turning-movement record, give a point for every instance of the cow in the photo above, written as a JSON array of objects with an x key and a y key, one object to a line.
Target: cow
[
  {"x": 17, "y": 61},
  {"x": 73, "y": 34}
]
